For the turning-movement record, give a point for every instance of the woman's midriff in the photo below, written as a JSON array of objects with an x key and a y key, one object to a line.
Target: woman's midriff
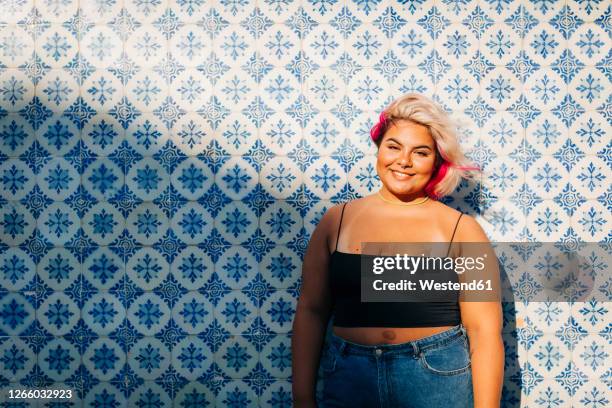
[{"x": 385, "y": 335}]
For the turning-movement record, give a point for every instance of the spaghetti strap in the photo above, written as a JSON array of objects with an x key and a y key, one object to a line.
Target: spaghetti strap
[
  {"x": 339, "y": 224},
  {"x": 453, "y": 236}
]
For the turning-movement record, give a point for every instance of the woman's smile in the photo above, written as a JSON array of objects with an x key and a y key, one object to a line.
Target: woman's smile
[{"x": 401, "y": 175}]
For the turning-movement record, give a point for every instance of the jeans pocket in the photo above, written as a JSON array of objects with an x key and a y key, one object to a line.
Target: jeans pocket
[
  {"x": 328, "y": 360},
  {"x": 448, "y": 359}
]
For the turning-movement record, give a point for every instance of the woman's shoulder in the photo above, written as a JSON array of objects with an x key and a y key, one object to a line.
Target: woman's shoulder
[
  {"x": 468, "y": 228},
  {"x": 466, "y": 223},
  {"x": 354, "y": 202},
  {"x": 331, "y": 217}
]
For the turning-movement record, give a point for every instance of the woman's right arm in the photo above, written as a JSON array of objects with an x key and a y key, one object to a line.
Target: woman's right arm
[{"x": 312, "y": 315}]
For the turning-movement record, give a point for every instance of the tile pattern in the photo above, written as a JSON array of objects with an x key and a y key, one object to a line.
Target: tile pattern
[{"x": 163, "y": 163}]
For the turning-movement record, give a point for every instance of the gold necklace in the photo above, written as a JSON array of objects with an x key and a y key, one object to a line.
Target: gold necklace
[{"x": 402, "y": 204}]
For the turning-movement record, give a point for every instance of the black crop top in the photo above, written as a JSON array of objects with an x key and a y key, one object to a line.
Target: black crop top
[{"x": 349, "y": 311}]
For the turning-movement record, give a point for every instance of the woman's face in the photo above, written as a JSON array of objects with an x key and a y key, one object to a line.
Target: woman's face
[{"x": 406, "y": 158}]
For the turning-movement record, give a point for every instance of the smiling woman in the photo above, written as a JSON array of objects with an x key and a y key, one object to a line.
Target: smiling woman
[
  {"x": 431, "y": 353},
  {"x": 406, "y": 160}
]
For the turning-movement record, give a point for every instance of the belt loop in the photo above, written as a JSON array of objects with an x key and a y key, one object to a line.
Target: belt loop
[
  {"x": 463, "y": 330},
  {"x": 342, "y": 347},
  {"x": 415, "y": 348}
]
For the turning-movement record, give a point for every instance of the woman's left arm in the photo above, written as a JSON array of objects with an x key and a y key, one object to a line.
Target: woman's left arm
[{"x": 483, "y": 321}]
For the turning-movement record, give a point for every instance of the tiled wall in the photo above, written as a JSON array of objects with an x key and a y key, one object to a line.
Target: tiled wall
[{"x": 163, "y": 163}]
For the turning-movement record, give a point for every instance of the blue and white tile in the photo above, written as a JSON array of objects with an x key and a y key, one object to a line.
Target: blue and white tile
[
  {"x": 104, "y": 393},
  {"x": 589, "y": 177},
  {"x": 236, "y": 222},
  {"x": 237, "y": 178},
  {"x": 17, "y": 180},
  {"x": 235, "y": 312},
  {"x": 58, "y": 314},
  {"x": 195, "y": 394},
  {"x": 591, "y": 43},
  {"x": 104, "y": 358},
  {"x": 55, "y": 132},
  {"x": 504, "y": 222},
  {"x": 278, "y": 394},
  {"x": 548, "y": 316},
  {"x": 281, "y": 177},
  {"x": 17, "y": 270},
  {"x": 193, "y": 313},
  {"x": 101, "y": 90},
  {"x": 236, "y": 393},
  {"x": 103, "y": 179},
  {"x": 147, "y": 178},
  {"x": 103, "y": 268},
  {"x": 457, "y": 88},
  {"x": 17, "y": 45},
  {"x": 193, "y": 267},
  {"x": 148, "y": 314},
  {"x": 236, "y": 267},
  {"x": 590, "y": 129},
  {"x": 147, "y": 134},
  {"x": 17, "y": 358},
  {"x": 278, "y": 136},
  {"x": 103, "y": 312},
  {"x": 59, "y": 359},
  {"x": 279, "y": 266},
  {"x": 549, "y": 355},
  {"x": 499, "y": 88},
  {"x": 276, "y": 357},
  {"x": 314, "y": 214},
  {"x": 498, "y": 44},
  {"x": 548, "y": 221},
  {"x": 16, "y": 10},
  {"x": 150, "y": 394},
  {"x": 594, "y": 393},
  {"x": 277, "y": 310},
  {"x": 237, "y": 357},
  {"x": 149, "y": 358},
  {"x": 16, "y": 89},
  {"x": 457, "y": 44},
  {"x": 147, "y": 268},
  {"x": 191, "y": 358},
  {"x": 590, "y": 222},
  {"x": 17, "y": 135},
  {"x": 547, "y": 393},
  {"x": 101, "y": 46}
]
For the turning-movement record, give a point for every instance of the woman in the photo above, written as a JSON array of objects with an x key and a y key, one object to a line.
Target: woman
[{"x": 396, "y": 354}]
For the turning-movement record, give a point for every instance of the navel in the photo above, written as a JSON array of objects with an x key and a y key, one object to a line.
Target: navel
[{"x": 389, "y": 334}]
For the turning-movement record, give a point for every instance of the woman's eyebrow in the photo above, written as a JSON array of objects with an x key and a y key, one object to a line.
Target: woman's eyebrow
[{"x": 415, "y": 147}]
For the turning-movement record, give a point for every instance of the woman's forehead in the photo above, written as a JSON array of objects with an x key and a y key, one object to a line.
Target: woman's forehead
[{"x": 409, "y": 133}]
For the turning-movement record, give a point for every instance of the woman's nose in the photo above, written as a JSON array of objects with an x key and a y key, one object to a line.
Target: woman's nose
[{"x": 405, "y": 160}]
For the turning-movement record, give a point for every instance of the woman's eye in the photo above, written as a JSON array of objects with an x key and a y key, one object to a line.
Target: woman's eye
[
  {"x": 423, "y": 154},
  {"x": 393, "y": 147}
]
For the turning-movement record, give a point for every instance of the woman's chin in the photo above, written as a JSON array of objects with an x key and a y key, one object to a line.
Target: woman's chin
[{"x": 402, "y": 187}]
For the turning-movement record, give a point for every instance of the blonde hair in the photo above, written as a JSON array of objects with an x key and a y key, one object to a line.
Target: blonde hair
[{"x": 451, "y": 164}]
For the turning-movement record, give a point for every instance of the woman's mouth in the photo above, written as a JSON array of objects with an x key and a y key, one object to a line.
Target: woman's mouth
[{"x": 402, "y": 176}]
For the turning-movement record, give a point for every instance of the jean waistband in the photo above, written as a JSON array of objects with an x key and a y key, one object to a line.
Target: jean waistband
[{"x": 414, "y": 347}]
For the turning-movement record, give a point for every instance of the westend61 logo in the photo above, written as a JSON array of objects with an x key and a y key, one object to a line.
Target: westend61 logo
[
  {"x": 412, "y": 264},
  {"x": 482, "y": 272}
]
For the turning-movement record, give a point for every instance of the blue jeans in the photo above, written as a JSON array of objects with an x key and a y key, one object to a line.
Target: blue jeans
[{"x": 430, "y": 372}]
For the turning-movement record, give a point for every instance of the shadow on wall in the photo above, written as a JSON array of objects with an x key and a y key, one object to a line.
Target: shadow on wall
[{"x": 511, "y": 391}]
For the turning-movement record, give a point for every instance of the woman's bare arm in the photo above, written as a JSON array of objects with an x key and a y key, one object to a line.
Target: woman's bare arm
[
  {"x": 312, "y": 314},
  {"x": 483, "y": 321}
]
